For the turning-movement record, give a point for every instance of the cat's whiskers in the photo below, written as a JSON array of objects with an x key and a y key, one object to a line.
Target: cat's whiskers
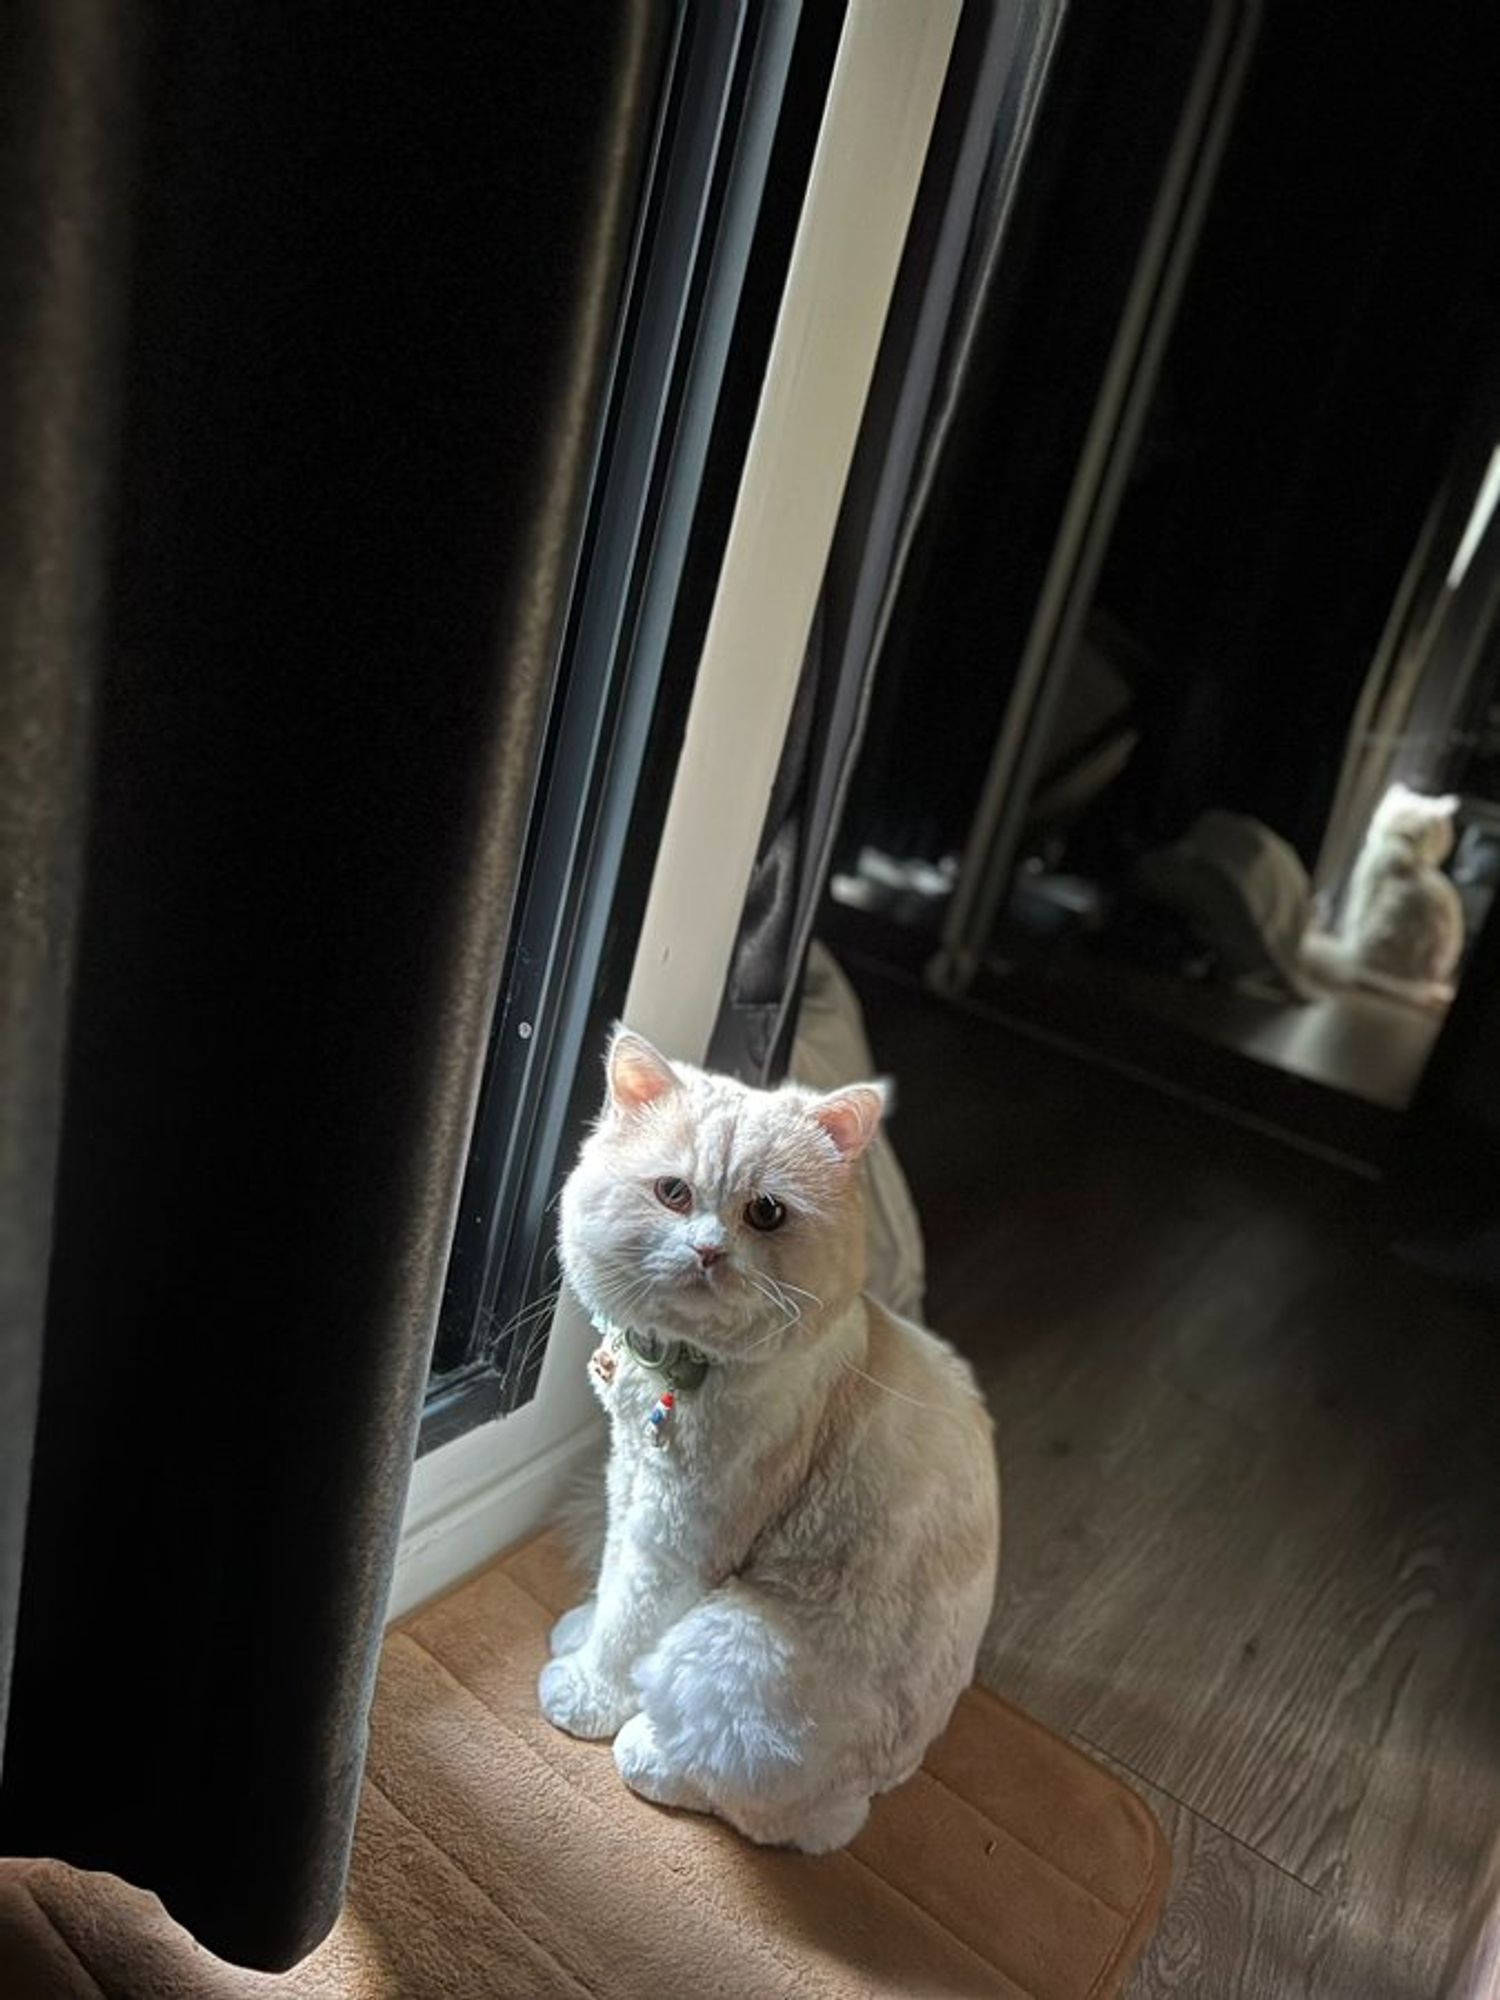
[
  {"x": 771, "y": 1333},
  {"x": 763, "y": 1285},
  {"x": 789, "y": 1306},
  {"x": 621, "y": 1303},
  {"x": 936, "y": 1409},
  {"x": 525, "y": 1314},
  {"x": 539, "y": 1332},
  {"x": 772, "y": 1290},
  {"x": 535, "y": 1319},
  {"x": 777, "y": 1293},
  {"x": 801, "y": 1291}
]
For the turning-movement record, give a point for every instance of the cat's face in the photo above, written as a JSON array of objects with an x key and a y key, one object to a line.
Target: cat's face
[
  {"x": 1424, "y": 822},
  {"x": 706, "y": 1211}
]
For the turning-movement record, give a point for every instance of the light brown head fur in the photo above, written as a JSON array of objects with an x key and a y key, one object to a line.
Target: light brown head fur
[{"x": 708, "y": 1211}]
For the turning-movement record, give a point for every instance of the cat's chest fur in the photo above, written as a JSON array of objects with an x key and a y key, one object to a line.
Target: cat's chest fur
[{"x": 733, "y": 1449}]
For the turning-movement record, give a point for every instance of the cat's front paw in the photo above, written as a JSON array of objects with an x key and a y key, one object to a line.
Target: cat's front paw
[
  {"x": 572, "y": 1630},
  {"x": 583, "y": 1703},
  {"x": 640, "y": 1761}
]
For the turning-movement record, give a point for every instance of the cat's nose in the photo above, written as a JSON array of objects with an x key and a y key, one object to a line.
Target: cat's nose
[{"x": 708, "y": 1253}]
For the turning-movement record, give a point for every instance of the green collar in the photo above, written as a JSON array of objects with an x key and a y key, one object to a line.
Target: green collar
[{"x": 680, "y": 1366}]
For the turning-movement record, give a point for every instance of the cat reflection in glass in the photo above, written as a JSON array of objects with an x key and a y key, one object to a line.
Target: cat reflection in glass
[{"x": 1402, "y": 930}]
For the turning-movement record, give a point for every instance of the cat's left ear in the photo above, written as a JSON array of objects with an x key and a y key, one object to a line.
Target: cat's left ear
[
  {"x": 851, "y": 1116},
  {"x": 638, "y": 1073}
]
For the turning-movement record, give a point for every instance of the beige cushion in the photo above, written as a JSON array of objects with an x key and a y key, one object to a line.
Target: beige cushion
[{"x": 495, "y": 1857}]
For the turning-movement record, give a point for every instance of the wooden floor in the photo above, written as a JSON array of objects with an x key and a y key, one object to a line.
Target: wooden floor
[
  {"x": 1364, "y": 1044},
  {"x": 1252, "y": 1489}
]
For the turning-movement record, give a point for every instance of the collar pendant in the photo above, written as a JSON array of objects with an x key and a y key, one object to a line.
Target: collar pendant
[{"x": 659, "y": 1423}]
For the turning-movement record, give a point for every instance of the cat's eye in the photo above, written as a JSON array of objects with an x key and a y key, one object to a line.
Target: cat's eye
[
  {"x": 764, "y": 1211},
  {"x": 674, "y": 1194}
]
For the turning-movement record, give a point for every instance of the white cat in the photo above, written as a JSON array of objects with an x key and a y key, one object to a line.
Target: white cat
[
  {"x": 1402, "y": 931},
  {"x": 804, "y": 1514}
]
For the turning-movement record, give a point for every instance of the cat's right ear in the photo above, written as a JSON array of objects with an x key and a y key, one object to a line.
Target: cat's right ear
[
  {"x": 851, "y": 1116},
  {"x": 638, "y": 1074}
]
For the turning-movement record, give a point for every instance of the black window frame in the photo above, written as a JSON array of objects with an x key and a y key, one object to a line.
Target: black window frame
[{"x": 741, "y": 102}]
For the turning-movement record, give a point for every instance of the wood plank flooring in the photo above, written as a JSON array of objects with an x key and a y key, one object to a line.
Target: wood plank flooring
[
  {"x": 1252, "y": 1487},
  {"x": 1235, "y": 1926}
]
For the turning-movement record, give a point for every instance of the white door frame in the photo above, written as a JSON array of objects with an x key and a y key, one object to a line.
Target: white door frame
[{"x": 471, "y": 1498}]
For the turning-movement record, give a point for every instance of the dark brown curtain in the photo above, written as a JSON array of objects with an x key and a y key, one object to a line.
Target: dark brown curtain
[
  {"x": 62, "y": 138},
  {"x": 307, "y": 316}
]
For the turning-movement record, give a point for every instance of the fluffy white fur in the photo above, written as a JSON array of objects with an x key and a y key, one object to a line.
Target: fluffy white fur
[
  {"x": 793, "y": 1592},
  {"x": 1403, "y": 924}
]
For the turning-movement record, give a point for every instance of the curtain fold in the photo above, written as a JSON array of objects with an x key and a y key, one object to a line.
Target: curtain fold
[
  {"x": 374, "y": 265},
  {"x": 65, "y": 77}
]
